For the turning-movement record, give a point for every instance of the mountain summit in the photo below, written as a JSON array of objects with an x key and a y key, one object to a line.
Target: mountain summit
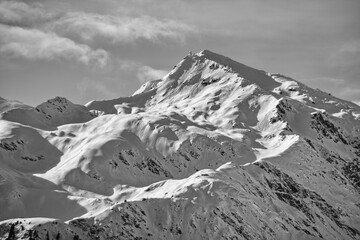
[{"x": 213, "y": 150}]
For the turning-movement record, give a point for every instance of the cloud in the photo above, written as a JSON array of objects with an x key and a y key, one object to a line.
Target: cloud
[
  {"x": 146, "y": 73},
  {"x": 121, "y": 29},
  {"x": 23, "y": 14},
  {"x": 35, "y": 30},
  {"x": 36, "y": 44},
  {"x": 88, "y": 26},
  {"x": 143, "y": 72}
]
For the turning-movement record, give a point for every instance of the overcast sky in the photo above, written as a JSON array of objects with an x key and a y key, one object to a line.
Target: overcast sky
[{"x": 102, "y": 49}]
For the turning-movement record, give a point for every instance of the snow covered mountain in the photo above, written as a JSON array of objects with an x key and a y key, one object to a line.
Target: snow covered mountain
[
  {"x": 214, "y": 150},
  {"x": 47, "y": 116}
]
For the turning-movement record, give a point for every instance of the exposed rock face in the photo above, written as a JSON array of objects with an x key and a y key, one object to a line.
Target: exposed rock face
[{"x": 214, "y": 150}]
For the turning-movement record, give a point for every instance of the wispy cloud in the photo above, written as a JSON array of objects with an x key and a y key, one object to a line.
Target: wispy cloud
[
  {"x": 146, "y": 73},
  {"x": 121, "y": 29},
  {"x": 36, "y": 44},
  {"x": 33, "y": 31},
  {"x": 142, "y": 72},
  {"x": 88, "y": 26}
]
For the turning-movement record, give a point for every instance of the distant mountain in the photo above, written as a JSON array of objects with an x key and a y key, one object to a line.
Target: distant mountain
[
  {"x": 214, "y": 150},
  {"x": 48, "y": 115}
]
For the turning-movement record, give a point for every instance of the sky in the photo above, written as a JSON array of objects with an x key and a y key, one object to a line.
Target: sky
[{"x": 90, "y": 49}]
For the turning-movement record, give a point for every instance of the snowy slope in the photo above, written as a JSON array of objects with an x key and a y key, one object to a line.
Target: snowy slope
[{"x": 214, "y": 150}]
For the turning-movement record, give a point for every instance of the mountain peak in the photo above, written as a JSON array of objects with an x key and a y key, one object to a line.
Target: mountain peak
[
  {"x": 59, "y": 100},
  {"x": 207, "y": 52},
  {"x": 212, "y": 55},
  {"x": 201, "y": 65},
  {"x": 227, "y": 62}
]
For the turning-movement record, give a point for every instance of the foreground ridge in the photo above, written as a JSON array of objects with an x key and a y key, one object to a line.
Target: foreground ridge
[{"x": 213, "y": 150}]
